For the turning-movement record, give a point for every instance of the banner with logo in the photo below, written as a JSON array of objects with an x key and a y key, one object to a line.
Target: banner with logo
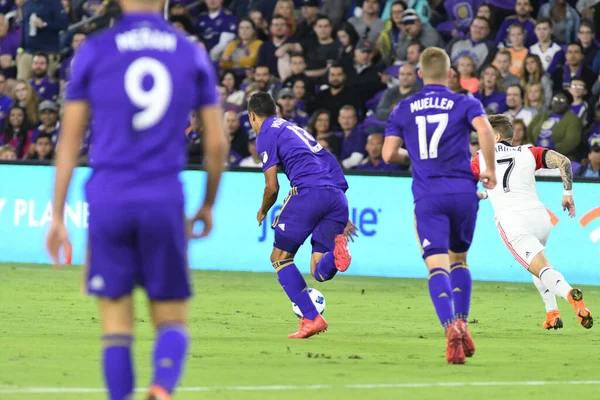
[{"x": 381, "y": 207}]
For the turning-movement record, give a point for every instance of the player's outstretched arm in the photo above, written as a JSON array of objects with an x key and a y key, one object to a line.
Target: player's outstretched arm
[
  {"x": 486, "y": 142},
  {"x": 270, "y": 194},
  {"x": 392, "y": 152},
  {"x": 554, "y": 159},
  {"x": 73, "y": 123},
  {"x": 215, "y": 150}
]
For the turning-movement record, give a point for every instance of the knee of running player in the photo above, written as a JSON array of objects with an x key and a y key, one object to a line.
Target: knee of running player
[
  {"x": 278, "y": 255},
  {"x": 538, "y": 262}
]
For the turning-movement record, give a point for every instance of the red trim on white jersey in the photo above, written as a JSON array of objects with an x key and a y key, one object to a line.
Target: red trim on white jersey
[
  {"x": 538, "y": 154},
  {"x": 511, "y": 248},
  {"x": 475, "y": 165}
]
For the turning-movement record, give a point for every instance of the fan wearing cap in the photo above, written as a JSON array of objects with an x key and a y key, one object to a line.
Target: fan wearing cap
[
  {"x": 592, "y": 168},
  {"x": 49, "y": 119},
  {"x": 368, "y": 25},
  {"x": 253, "y": 160},
  {"x": 558, "y": 129},
  {"x": 416, "y": 31},
  {"x": 287, "y": 101}
]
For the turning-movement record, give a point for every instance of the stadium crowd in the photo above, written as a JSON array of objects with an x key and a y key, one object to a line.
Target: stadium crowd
[{"x": 335, "y": 67}]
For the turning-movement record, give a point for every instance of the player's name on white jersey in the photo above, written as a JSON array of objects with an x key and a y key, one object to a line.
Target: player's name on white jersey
[
  {"x": 146, "y": 39},
  {"x": 431, "y": 102},
  {"x": 500, "y": 148}
]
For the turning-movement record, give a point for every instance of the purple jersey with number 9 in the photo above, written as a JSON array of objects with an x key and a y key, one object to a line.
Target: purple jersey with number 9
[{"x": 435, "y": 125}]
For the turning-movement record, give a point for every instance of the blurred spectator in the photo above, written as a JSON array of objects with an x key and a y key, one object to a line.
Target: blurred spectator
[
  {"x": 184, "y": 24},
  {"x": 352, "y": 136},
  {"x": 579, "y": 105},
  {"x": 558, "y": 129},
  {"x": 374, "y": 160},
  {"x": 265, "y": 81},
  {"x": 231, "y": 82},
  {"x": 592, "y": 168},
  {"x": 520, "y": 132},
  {"x": 460, "y": 15},
  {"x": 319, "y": 124},
  {"x": 9, "y": 44},
  {"x": 467, "y": 69},
  {"x": 474, "y": 144},
  {"x": 407, "y": 77},
  {"x": 297, "y": 69},
  {"x": 217, "y": 27},
  {"x": 454, "y": 81},
  {"x": 101, "y": 11},
  {"x": 285, "y": 8},
  {"x": 518, "y": 51},
  {"x": 16, "y": 131},
  {"x": 363, "y": 76},
  {"x": 589, "y": 11},
  {"x": 389, "y": 38},
  {"x": 236, "y": 136},
  {"x": 564, "y": 17},
  {"x": 593, "y": 130},
  {"x": 42, "y": 148},
  {"x": 8, "y": 153},
  {"x": 338, "y": 95},
  {"x": 514, "y": 101},
  {"x": 261, "y": 25},
  {"x": 534, "y": 73},
  {"x": 305, "y": 30},
  {"x": 287, "y": 101},
  {"x": 222, "y": 92},
  {"x": 348, "y": 39},
  {"x": 534, "y": 97},
  {"x": 551, "y": 54},
  {"x": 336, "y": 10},
  {"x": 243, "y": 117},
  {"x": 485, "y": 11},
  {"x": 5, "y": 101},
  {"x": 253, "y": 160},
  {"x": 502, "y": 62},
  {"x": 369, "y": 25},
  {"x": 421, "y": 7},
  {"x": 415, "y": 31},
  {"x": 279, "y": 37},
  {"x": 491, "y": 92},
  {"x": 330, "y": 143},
  {"x": 242, "y": 52},
  {"x": 522, "y": 18},
  {"x": 476, "y": 45},
  {"x": 46, "y": 88},
  {"x": 590, "y": 46},
  {"x": 27, "y": 98},
  {"x": 574, "y": 67},
  {"x": 49, "y": 119},
  {"x": 64, "y": 72},
  {"x": 193, "y": 134},
  {"x": 300, "y": 91},
  {"x": 42, "y": 22}
]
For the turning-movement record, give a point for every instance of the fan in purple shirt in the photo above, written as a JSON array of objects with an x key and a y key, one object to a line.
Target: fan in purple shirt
[
  {"x": 50, "y": 124},
  {"x": 435, "y": 125},
  {"x": 139, "y": 92},
  {"x": 316, "y": 206},
  {"x": 41, "y": 83},
  {"x": 64, "y": 72},
  {"x": 217, "y": 28},
  {"x": 9, "y": 44}
]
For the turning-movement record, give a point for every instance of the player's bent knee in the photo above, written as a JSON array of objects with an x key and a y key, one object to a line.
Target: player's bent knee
[
  {"x": 169, "y": 312},
  {"x": 538, "y": 262},
  {"x": 116, "y": 315},
  {"x": 280, "y": 255},
  {"x": 437, "y": 260},
  {"x": 457, "y": 257}
]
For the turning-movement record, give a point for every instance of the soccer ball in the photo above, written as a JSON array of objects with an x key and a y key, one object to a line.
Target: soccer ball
[{"x": 317, "y": 299}]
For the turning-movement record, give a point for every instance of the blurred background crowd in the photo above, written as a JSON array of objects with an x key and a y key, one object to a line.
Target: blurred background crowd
[{"x": 335, "y": 67}]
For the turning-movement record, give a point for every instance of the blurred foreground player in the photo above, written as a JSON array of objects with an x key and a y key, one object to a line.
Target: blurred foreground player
[
  {"x": 139, "y": 92},
  {"x": 435, "y": 125},
  {"x": 522, "y": 219},
  {"x": 316, "y": 205}
]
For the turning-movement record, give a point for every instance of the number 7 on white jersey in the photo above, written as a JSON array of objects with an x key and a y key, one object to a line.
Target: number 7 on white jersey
[{"x": 442, "y": 122}]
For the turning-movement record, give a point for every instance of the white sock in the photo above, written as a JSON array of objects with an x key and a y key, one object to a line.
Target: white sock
[
  {"x": 554, "y": 281},
  {"x": 547, "y": 296}
]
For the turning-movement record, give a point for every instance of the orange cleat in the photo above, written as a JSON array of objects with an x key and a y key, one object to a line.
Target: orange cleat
[
  {"x": 467, "y": 340},
  {"x": 341, "y": 253},
  {"x": 158, "y": 393},
  {"x": 583, "y": 314},
  {"x": 310, "y": 327},
  {"x": 553, "y": 320},
  {"x": 455, "y": 354}
]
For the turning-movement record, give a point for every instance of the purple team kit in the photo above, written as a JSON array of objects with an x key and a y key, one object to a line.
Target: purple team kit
[{"x": 137, "y": 232}]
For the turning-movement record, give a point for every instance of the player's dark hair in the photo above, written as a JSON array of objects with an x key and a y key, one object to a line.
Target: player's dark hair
[
  {"x": 42, "y": 54},
  {"x": 262, "y": 104},
  {"x": 502, "y": 126}
]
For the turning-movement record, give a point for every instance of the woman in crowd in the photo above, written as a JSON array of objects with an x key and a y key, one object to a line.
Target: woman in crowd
[
  {"x": 533, "y": 72},
  {"x": 534, "y": 97},
  {"x": 491, "y": 92},
  {"x": 319, "y": 124},
  {"x": 17, "y": 132},
  {"x": 388, "y": 39},
  {"x": 348, "y": 38},
  {"x": 285, "y": 8},
  {"x": 242, "y": 52},
  {"x": 26, "y": 98},
  {"x": 520, "y": 132},
  {"x": 231, "y": 82}
]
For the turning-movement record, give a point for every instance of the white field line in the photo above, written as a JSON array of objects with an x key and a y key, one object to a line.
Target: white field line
[{"x": 424, "y": 385}]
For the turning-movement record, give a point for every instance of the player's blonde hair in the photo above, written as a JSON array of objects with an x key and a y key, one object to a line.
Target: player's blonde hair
[
  {"x": 502, "y": 126},
  {"x": 435, "y": 64}
]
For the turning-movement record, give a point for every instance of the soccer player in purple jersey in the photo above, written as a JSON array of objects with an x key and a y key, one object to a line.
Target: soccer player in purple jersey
[
  {"x": 139, "y": 92},
  {"x": 435, "y": 125},
  {"x": 316, "y": 205}
]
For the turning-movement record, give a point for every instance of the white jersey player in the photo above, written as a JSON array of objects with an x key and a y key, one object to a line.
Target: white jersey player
[{"x": 522, "y": 219}]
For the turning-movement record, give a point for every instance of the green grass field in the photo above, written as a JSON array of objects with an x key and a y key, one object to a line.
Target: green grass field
[{"x": 384, "y": 342}]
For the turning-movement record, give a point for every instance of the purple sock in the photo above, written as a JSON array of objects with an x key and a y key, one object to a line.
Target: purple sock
[
  {"x": 460, "y": 278},
  {"x": 118, "y": 369},
  {"x": 293, "y": 283},
  {"x": 441, "y": 295},
  {"x": 326, "y": 269},
  {"x": 169, "y": 355}
]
